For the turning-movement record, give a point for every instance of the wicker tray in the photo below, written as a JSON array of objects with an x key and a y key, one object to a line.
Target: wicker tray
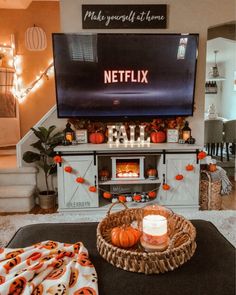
[{"x": 181, "y": 247}]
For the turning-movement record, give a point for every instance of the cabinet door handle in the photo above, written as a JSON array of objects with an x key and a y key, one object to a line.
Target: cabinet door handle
[
  {"x": 95, "y": 180},
  {"x": 164, "y": 178}
]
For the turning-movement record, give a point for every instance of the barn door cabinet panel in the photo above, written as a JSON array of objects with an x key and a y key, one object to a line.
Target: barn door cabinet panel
[
  {"x": 183, "y": 192},
  {"x": 72, "y": 194}
]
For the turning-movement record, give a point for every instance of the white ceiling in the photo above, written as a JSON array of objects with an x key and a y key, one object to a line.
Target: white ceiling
[
  {"x": 17, "y": 4},
  {"x": 226, "y": 49}
]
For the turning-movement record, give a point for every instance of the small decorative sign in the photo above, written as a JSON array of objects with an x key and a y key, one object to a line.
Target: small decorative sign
[
  {"x": 124, "y": 16},
  {"x": 172, "y": 135},
  {"x": 81, "y": 136}
]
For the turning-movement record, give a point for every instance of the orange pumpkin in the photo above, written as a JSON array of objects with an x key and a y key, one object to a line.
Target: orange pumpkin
[
  {"x": 152, "y": 172},
  {"x": 96, "y": 138},
  {"x": 137, "y": 198},
  {"x": 106, "y": 195},
  {"x": 158, "y": 136},
  {"x": 68, "y": 169},
  {"x": 152, "y": 194},
  {"x": 122, "y": 198},
  {"x": 201, "y": 155},
  {"x": 165, "y": 187},
  {"x": 179, "y": 177},
  {"x": 212, "y": 167},
  {"x": 124, "y": 236},
  {"x": 57, "y": 159},
  {"x": 92, "y": 189},
  {"x": 189, "y": 167},
  {"x": 80, "y": 180}
]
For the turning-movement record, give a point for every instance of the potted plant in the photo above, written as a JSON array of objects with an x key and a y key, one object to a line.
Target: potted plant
[{"x": 47, "y": 141}]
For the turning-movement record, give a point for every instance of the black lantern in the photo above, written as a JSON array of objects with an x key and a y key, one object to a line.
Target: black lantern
[
  {"x": 186, "y": 131},
  {"x": 69, "y": 134}
]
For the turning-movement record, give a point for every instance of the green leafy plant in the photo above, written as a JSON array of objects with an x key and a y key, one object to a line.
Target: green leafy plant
[{"x": 47, "y": 141}]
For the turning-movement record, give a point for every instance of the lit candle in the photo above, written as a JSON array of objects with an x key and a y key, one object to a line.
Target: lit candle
[{"x": 154, "y": 232}]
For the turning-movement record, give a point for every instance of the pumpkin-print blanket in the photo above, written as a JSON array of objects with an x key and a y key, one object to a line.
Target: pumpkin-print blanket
[{"x": 47, "y": 268}]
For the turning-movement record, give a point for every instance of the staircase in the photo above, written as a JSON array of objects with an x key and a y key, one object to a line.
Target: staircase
[{"x": 17, "y": 189}]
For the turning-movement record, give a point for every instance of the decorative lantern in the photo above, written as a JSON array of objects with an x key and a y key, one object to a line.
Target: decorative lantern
[
  {"x": 69, "y": 134},
  {"x": 155, "y": 228},
  {"x": 186, "y": 131},
  {"x": 35, "y": 39}
]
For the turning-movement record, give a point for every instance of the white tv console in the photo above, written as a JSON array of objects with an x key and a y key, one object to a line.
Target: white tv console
[{"x": 86, "y": 160}]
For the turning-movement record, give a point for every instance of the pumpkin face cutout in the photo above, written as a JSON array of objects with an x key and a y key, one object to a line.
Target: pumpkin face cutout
[
  {"x": 12, "y": 263},
  {"x": 2, "y": 280},
  {"x": 84, "y": 260},
  {"x": 50, "y": 245},
  {"x": 76, "y": 247},
  {"x": 14, "y": 254},
  {"x": 17, "y": 287},
  {"x": 56, "y": 274},
  {"x": 86, "y": 291},
  {"x": 38, "y": 290},
  {"x": 73, "y": 277},
  {"x": 59, "y": 289}
]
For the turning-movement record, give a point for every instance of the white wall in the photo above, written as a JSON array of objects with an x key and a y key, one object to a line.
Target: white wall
[{"x": 183, "y": 16}]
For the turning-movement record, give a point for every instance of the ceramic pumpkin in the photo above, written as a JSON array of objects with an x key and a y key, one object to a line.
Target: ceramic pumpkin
[
  {"x": 68, "y": 169},
  {"x": 92, "y": 189},
  {"x": 80, "y": 180},
  {"x": 124, "y": 236},
  {"x": 189, "y": 167},
  {"x": 158, "y": 136},
  {"x": 152, "y": 195},
  {"x": 201, "y": 155},
  {"x": 106, "y": 195},
  {"x": 165, "y": 187},
  {"x": 179, "y": 177},
  {"x": 96, "y": 138}
]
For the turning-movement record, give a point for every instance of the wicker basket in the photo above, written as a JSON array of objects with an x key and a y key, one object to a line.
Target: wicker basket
[
  {"x": 210, "y": 198},
  {"x": 181, "y": 247}
]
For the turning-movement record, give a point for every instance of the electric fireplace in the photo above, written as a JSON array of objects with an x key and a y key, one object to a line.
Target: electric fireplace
[{"x": 127, "y": 168}]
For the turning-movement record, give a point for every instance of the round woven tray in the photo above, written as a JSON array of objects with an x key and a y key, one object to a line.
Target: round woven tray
[{"x": 181, "y": 247}]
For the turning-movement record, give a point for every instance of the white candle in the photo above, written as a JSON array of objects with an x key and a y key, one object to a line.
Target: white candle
[{"x": 155, "y": 225}]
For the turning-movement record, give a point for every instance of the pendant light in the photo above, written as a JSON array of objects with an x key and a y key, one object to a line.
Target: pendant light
[{"x": 214, "y": 73}]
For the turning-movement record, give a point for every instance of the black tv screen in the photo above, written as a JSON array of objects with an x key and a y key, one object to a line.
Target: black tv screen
[{"x": 124, "y": 75}]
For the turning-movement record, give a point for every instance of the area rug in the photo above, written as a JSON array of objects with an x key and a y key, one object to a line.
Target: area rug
[{"x": 225, "y": 221}]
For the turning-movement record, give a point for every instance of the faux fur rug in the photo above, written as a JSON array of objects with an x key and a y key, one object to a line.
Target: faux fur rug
[{"x": 225, "y": 221}]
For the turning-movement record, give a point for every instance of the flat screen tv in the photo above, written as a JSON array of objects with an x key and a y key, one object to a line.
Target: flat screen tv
[{"x": 124, "y": 75}]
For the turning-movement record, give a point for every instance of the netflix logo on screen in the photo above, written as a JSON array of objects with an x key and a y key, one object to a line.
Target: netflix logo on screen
[{"x": 125, "y": 76}]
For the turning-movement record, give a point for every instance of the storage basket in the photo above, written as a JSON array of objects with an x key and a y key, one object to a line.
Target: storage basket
[
  {"x": 210, "y": 197},
  {"x": 181, "y": 247}
]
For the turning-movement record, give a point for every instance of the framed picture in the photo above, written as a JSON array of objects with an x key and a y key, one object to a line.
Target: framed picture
[
  {"x": 81, "y": 136},
  {"x": 172, "y": 135}
]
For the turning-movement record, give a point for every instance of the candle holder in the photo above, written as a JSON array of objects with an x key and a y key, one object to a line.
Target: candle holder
[{"x": 154, "y": 228}]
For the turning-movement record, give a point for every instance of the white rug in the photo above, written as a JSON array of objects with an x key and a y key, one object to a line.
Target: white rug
[{"x": 225, "y": 221}]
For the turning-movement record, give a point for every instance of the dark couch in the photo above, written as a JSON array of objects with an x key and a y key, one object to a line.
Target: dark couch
[{"x": 211, "y": 271}]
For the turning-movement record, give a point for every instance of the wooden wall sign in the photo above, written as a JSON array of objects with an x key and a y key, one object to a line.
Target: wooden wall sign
[{"x": 124, "y": 16}]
